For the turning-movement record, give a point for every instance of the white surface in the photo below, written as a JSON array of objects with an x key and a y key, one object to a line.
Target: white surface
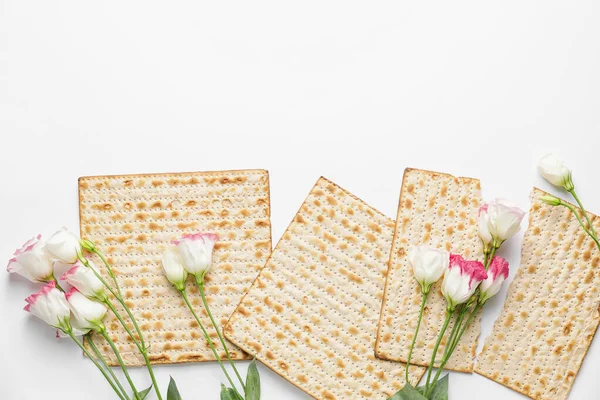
[{"x": 354, "y": 91}]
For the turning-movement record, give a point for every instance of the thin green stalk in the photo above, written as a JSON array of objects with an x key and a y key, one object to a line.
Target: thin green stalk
[
  {"x": 488, "y": 259},
  {"x": 455, "y": 329},
  {"x": 121, "y": 363},
  {"x": 449, "y": 315},
  {"x": 100, "y": 357},
  {"x": 208, "y": 339},
  {"x": 590, "y": 234},
  {"x": 87, "y": 353},
  {"x": 140, "y": 344},
  {"x": 587, "y": 218},
  {"x": 200, "y": 283},
  {"x": 412, "y": 346},
  {"x": 53, "y": 278},
  {"x": 108, "y": 269},
  {"x": 455, "y": 343}
]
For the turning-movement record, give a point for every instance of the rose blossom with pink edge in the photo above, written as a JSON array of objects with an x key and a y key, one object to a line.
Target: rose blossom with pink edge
[
  {"x": 51, "y": 306},
  {"x": 32, "y": 261},
  {"x": 85, "y": 280},
  {"x": 499, "y": 220},
  {"x": 195, "y": 251},
  {"x": 497, "y": 274},
  {"x": 461, "y": 279}
]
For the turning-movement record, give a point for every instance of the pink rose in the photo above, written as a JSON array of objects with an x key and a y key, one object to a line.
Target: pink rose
[
  {"x": 497, "y": 274},
  {"x": 461, "y": 280}
]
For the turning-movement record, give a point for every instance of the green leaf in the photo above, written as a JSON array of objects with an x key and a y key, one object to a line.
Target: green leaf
[
  {"x": 440, "y": 389},
  {"x": 173, "y": 392},
  {"x": 144, "y": 393},
  {"x": 252, "y": 382},
  {"x": 229, "y": 394},
  {"x": 408, "y": 393}
]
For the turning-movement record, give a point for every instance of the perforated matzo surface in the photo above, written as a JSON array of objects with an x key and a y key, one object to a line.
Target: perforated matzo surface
[
  {"x": 551, "y": 314},
  {"x": 312, "y": 313},
  {"x": 133, "y": 218},
  {"x": 437, "y": 210}
]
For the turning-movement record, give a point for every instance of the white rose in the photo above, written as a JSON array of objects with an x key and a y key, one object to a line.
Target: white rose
[
  {"x": 556, "y": 172},
  {"x": 63, "y": 246},
  {"x": 195, "y": 252},
  {"x": 428, "y": 265}
]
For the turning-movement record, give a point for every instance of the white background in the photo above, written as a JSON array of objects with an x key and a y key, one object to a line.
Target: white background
[{"x": 354, "y": 91}]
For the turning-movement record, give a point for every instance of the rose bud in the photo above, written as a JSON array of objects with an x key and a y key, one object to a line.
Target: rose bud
[
  {"x": 51, "y": 306},
  {"x": 173, "y": 267},
  {"x": 63, "y": 246},
  {"x": 500, "y": 220},
  {"x": 428, "y": 265},
  {"x": 497, "y": 273},
  {"x": 461, "y": 280},
  {"x": 87, "y": 313},
  {"x": 85, "y": 280},
  {"x": 32, "y": 262},
  {"x": 195, "y": 252},
  {"x": 551, "y": 200},
  {"x": 556, "y": 172}
]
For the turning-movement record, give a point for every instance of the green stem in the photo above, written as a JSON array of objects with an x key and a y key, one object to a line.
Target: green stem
[
  {"x": 590, "y": 234},
  {"x": 208, "y": 339},
  {"x": 121, "y": 363},
  {"x": 140, "y": 344},
  {"x": 455, "y": 343},
  {"x": 87, "y": 353},
  {"x": 100, "y": 357},
  {"x": 53, "y": 278},
  {"x": 587, "y": 218},
  {"x": 108, "y": 269},
  {"x": 449, "y": 315},
  {"x": 455, "y": 329},
  {"x": 200, "y": 283},
  {"x": 412, "y": 346},
  {"x": 490, "y": 257}
]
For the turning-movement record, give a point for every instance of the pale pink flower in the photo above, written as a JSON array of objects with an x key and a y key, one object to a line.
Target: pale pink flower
[
  {"x": 51, "y": 306},
  {"x": 195, "y": 251},
  {"x": 499, "y": 220},
  {"x": 85, "y": 280},
  {"x": 32, "y": 262}
]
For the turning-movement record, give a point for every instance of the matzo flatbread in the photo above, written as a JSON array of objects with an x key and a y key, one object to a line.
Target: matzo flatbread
[
  {"x": 311, "y": 315},
  {"x": 551, "y": 312},
  {"x": 438, "y": 210},
  {"x": 133, "y": 218}
]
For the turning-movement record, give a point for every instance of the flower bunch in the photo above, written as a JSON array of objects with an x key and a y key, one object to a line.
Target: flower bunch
[
  {"x": 467, "y": 285},
  {"x": 558, "y": 174},
  {"x": 82, "y": 309},
  {"x": 191, "y": 255}
]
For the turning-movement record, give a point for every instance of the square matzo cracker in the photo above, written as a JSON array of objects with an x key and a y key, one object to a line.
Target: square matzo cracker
[
  {"x": 551, "y": 312},
  {"x": 438, "y": 210},
  {"x": 133, "y": 218},
  {"x": 311, "y": 315}
]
